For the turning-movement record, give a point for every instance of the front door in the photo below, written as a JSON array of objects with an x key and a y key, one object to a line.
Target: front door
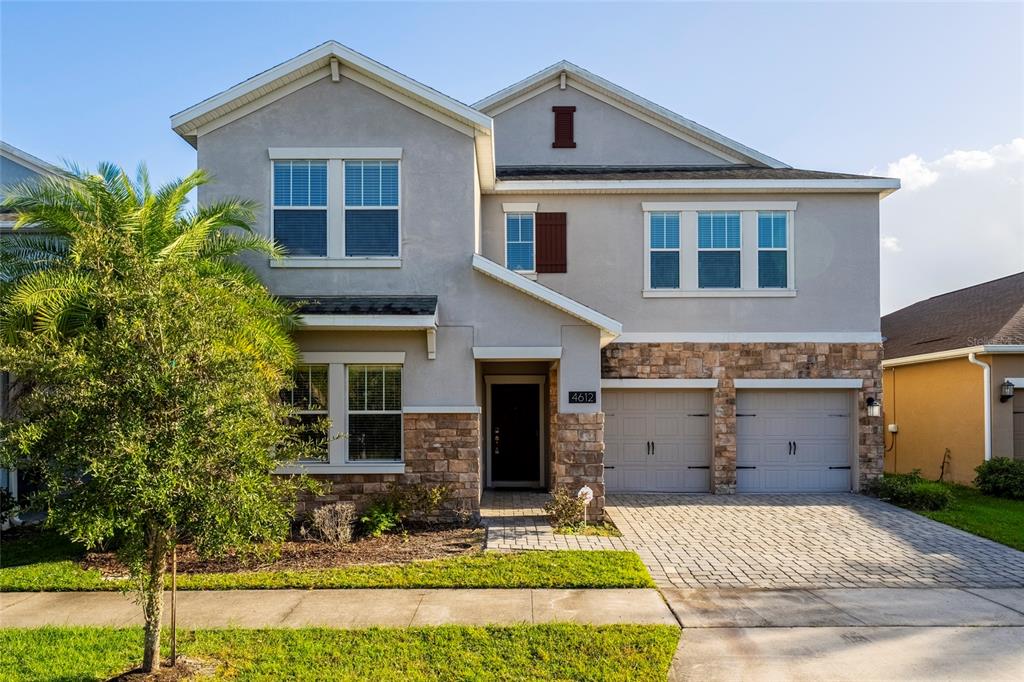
[{"x": 514, "y": 438}]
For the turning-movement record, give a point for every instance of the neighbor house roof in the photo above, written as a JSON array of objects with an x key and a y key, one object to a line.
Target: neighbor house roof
[
  {"x": 364, "y": 305},
  {"x": 23, "y": 158},
  {"x": 617, "y": 96},
  {"x": 985, "y": 314}
]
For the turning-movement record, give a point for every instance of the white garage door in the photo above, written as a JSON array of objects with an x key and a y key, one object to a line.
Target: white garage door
[
  {"x": 793, "y": 441},
  {"x": 657, "y": 440}
]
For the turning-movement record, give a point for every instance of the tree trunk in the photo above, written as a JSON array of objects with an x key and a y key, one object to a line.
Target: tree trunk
[{"x": 153, "y": 595}]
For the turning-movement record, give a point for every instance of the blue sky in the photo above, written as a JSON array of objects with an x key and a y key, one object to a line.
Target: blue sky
[{"x": 852, "y": 86}]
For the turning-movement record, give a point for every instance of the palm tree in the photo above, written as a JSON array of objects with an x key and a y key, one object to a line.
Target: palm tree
[{"x": 86, "y": 244}]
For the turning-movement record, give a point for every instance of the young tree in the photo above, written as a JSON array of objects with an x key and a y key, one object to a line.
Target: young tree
[{"x": 155, "y": 363}]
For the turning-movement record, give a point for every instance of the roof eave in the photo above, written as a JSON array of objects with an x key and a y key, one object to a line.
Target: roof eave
[
  {"x": 881, "y": 186},
  {"x": 184, "y": 122}
]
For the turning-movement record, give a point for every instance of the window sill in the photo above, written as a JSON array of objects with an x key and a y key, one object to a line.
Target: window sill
[
  {"x": 719, "y": 293},
  {"x": 318, "y": 468},
  {"x": 316, "y": 262}
]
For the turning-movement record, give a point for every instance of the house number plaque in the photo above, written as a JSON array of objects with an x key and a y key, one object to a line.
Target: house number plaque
[{"x": 588, "y": 397}]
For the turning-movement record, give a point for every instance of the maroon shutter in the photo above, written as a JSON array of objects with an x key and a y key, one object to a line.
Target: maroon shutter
[
  {"x": 551, "y": 242},
  {"x": 564, "y": 127}
]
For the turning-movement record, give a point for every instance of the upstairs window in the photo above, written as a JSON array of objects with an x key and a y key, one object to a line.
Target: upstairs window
[
  {"x": 308, "y": 399},
  {"x": 300, "y": 207},
  {"x": 371, "y": 208},
  {"x": 564, "y": 125},
  {"x": 664, "y": 250},
  {"x": 375, "y": 413},
  {"x": 519, "y": 242},
  {"x": 772, "y": 255},
  {"x": 718, "y": 249}
]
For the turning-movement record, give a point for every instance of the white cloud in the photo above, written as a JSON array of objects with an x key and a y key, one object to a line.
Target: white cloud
[
  {"x": 915, "y": 173},
  {"x": 968, "y": 229},
  {"x": 968, "y": 161},
  {"x": 890, "y": 243}
]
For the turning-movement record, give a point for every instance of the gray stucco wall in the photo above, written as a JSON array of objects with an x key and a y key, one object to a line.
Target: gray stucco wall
[
  {"x": 835, "y": 265},
  {"x": 438, "y": 222},
  {"x": 604, "y": 135}
]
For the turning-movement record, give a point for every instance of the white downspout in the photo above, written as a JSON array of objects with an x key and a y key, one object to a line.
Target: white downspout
[{"x": 987, "y": 380}]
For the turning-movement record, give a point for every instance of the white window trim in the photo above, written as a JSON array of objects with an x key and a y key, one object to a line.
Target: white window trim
[
  {"x": 326, "y": 208},
  {"x": 336, "y": 157},
  {"x": 736, "y": 249},
  {"x": 345, "y": 207},
  {"x": 349, "y": 412},
  {"x": 648, "y": 250},
  {"x": 337, "y": 405},
  {"x": 532, "y": 274},
  {"x": 688, "y": 243},
  {"x": 786, "y": 248}
]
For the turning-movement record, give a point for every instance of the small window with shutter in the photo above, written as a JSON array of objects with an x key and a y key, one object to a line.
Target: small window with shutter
[
  {"x": 551, "y": 242},
  {"x": 564, "y": 127}
]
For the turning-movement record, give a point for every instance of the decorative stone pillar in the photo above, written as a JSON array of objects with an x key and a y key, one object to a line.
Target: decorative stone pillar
[{"x": 578, "y": 458}]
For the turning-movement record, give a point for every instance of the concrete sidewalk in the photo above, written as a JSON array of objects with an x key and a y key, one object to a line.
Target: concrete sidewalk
[
  {"x": 344, "y": 608},
  {"x": 849, "y": 634}
]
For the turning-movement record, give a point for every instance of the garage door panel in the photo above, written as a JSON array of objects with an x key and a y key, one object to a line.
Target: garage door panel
[
  {"x": 818, "y": 422},
  {"x": 676, "y": 421}
]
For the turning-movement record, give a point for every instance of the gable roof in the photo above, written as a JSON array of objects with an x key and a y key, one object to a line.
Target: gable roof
[
  {"x": 737, "y": 172},
  {"x": 23, "y": 158},
  {"x": 991, "y": 313},
  {"x": 610, "y": 329},
  {"x": 317, "y": 62},
  {"x": 622, "y": 98}
]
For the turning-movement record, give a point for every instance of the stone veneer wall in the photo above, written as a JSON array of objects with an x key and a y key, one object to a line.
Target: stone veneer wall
[
  {"x": 440, "y": 448},
  {"x": 576, "y": 449},
  {"x": 729, "y": 361}
]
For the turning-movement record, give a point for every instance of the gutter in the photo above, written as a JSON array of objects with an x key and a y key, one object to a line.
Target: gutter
[{"x": 987, "y": 382}]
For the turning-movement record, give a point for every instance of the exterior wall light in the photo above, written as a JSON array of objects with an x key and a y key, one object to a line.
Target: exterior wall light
[
  {"x": 874, "y": 407},
  {"x": 1006, "y": 391}
]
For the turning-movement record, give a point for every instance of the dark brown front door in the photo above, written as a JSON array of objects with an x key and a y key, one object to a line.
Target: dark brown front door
[{"x": 515, "y": 435}]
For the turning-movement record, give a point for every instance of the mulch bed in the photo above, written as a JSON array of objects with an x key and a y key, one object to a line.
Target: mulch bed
[
  {"x": 186, "y": 669},
  {"x": 426, "y": 543}
]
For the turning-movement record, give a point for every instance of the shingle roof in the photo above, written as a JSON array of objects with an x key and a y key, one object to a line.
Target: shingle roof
[
  {"x": 984, "y": 314},
  {"x": 669, "y": 173},
  {"x": 364, "y": 305}
]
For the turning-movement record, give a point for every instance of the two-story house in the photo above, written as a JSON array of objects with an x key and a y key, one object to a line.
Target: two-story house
[{"x": 563, "y": 284}]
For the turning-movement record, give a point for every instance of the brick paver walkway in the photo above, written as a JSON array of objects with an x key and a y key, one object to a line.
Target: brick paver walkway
[
  {"x": 782, "y": 541},
  {"x": 516, "y": 520}
]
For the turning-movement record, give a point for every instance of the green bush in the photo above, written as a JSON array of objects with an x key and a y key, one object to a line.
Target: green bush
[
  {"x": 382, "y": 516},
  {"x": 911, "y": 491},
  {"x": 565, "y": 509},
  {"x": 1001, "y": 477}
]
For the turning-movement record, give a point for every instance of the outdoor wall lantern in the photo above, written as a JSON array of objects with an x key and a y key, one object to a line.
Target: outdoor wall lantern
[
  {"x": 1006, "y": 391},
  {"x": 874, "y": 407}
]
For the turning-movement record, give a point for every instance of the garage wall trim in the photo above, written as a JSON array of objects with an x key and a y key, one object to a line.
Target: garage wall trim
[
  {"x": 813, "y": 384},
  {"x": 659, "y": 383}
]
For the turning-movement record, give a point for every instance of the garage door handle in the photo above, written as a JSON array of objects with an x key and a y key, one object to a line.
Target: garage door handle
[
  {"x": 746, "y": 467},
  {"x": 705, "y": 467},
  {"x": 698, "y": 414},
  {"x": 839, "y": 467},
  {"x": 746, "y": 415},
  {"x": 608, "y": 467}
]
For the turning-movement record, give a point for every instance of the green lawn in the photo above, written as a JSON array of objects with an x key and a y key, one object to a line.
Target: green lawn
[
  {"x": 540, "y": 652},
  {"x": 45, "y": 562},
  {"x": 994, "y": 518}
]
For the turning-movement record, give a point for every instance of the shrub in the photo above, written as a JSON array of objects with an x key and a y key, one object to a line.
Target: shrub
[
  {"x": 911, "y": 491},
  {"x": 565, "y": 509},
  {"x": 9, "y": 506},
  {"x": 1001, "y": 477},
  {"x": 333, "y": 523},
  {"x": 382, "y": 516}
]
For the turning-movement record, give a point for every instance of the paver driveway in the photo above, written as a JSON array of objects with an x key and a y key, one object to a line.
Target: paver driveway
[{"x": 784, "y": 541}]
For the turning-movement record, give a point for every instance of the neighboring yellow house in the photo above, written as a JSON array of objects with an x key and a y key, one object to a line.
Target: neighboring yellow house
[{"x": 951, "y": 366}]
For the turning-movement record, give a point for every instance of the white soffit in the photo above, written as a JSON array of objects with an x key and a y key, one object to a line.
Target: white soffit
[{"x": 517, "y": 352}]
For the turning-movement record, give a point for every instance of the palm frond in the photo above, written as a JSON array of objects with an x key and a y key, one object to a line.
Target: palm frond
[{"x": 53, "y": 302}]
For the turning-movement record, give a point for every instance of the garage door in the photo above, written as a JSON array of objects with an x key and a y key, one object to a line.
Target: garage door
[
  {"x": 657, "y": 440},
  {"x": 793, "y": 441}
]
